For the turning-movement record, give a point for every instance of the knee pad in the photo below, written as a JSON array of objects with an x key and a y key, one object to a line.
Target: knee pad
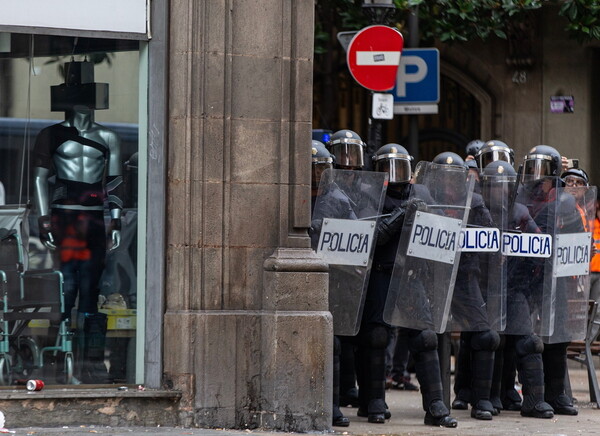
[
  {"x": 337, "y": 346},
  {"x": 378, "y": 337},
  {"x": 487, "y": 340},
  {"x": 425, "y": 340},
  {"x": 531, "y": 344}
]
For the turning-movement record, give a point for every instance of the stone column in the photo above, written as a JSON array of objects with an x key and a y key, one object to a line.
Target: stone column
[{"x": 247, "y": 332}]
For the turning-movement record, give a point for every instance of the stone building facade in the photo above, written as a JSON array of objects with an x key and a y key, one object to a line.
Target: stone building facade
[{"x": 236, "y": 330}]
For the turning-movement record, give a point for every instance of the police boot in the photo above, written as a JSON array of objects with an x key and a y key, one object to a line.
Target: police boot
[
  {"x": 92, "y": 344},
  {"x": 348, "y": 391},
  {"x": 495, "y": 391},
  {"x": 377, "y": 339},
  {"x": 338, "y": 418},
  {"x": 483, "y": 344},
  {"x": 427, "y": 366},
  {"x": 437, "y": 414},
  {"x": 555, "y": 372},
  {"x": 462, "y": 375},
  {"x": 531, "y": 373},
  {"x": 534, "y": 406},
  {"x": 423, "y": 347},
  {"x": 511, "y": 400}
]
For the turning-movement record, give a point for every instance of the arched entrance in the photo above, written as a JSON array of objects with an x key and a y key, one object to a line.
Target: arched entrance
[{"x": 466, "y": 112}]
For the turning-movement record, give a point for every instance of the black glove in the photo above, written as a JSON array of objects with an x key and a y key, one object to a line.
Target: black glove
[
  {"x": 45, "y": 226},
  {"x": 415, "y": 204},
  {"x": 315, "y": 226},
  {"x": 389, "y": 226},
  {"x": 115, "y": 224}
]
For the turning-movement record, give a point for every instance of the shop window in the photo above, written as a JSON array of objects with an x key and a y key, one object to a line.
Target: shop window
[{"x": 69, "y": 156}]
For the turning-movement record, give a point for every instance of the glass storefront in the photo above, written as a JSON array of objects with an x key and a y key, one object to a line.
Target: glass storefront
[{"x": 72, "y": 141}]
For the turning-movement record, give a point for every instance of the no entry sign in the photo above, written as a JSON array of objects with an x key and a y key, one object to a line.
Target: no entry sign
[{"x": 373, "y": 57}]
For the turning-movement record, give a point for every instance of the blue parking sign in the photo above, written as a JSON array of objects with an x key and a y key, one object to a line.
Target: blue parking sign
[{"x": 418, "y": 78}]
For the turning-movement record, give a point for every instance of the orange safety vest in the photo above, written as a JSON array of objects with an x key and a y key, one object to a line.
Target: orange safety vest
[{"x": 595, "y": 263}]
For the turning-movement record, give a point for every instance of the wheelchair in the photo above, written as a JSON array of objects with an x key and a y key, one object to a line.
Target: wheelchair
[{"x": 29, "y": 297}]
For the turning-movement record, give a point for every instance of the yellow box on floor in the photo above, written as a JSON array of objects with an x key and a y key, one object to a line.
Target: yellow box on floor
[{"x": 120, "y": 319}]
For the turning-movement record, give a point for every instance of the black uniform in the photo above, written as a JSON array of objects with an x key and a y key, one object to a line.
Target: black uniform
[
  {"x": 475, "y": 363},
  {"x": 542, "y": 368},
  {"x": 373, "y": 335},
  {"x": 503, "y": 393},
  {"x": 554, "y": 356},
  {"x": 332, "y": 203}
]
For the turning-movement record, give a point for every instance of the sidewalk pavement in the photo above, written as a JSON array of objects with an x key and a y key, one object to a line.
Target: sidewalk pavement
[{"x": 407, "y": 419}]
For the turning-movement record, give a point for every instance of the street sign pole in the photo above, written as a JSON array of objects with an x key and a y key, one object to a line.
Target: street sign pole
[
  {"x": 375, "y": 139},
  {"x": 413, "y": 120}
]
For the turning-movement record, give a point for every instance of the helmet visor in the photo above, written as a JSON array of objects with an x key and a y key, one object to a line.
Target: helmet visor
[
  {"x": 449, "y": 184},
  {"x": 496, "y": 190},
  {"x": 348, "y": 154},
  {"x": 492, "y": 156},
  {"x": 398, "y": 169},
  {"x": 535, "y": 169}
]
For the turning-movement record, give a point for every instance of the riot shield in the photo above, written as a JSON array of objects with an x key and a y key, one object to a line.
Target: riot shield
[
  {"x": 344, "y": 218},
  {"x": 428, "y": 255},
  {"x": 479, "y": 300},
  {"x": 571, "y": 260},
  {"x": 528, "y": 245}
]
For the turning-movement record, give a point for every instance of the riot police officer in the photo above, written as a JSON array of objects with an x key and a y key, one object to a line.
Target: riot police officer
[
  {"x": 498, "y": 151},
  {"x": 373, "y": 337},
  {"x": 469, "y": 314},
  {"x": 542, "y": 367},
  {"x": 347, "y": 149},
  {"x": 332, "y": 200},
  {"x": 541, "y": 168},
  {"x": 498, "y": 181}
]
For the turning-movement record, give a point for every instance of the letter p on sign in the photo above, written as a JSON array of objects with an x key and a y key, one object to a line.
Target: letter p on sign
[{"x": 414, "y": 69}]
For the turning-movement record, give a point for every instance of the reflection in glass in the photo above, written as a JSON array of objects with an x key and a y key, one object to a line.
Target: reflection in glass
[{"x": 68, "y": 153}]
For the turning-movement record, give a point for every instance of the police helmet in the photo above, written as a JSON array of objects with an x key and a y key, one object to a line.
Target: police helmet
[
  {"x": 449, "y": 158},
  {"x": 575, "y": 177},
  {"x": 394, "y": 160},
  {"x": 320, "y": 154},
  {"x": 473, "y": 147},
  {"x": 492, "y": 151},
  {"x": 541, "y": 161},
  {"x": 499, "y": 169},
  {"x": 347, "y": 148},
  {"x": 321, "y": 161}
]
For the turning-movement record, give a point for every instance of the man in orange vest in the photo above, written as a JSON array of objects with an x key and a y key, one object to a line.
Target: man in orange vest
[
  {"x": 577, "y": 178},
  {"x": 595, "y": 263}
]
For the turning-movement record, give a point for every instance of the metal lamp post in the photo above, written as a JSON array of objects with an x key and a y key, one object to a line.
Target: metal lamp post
[{"x": 378, "y": 11}]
